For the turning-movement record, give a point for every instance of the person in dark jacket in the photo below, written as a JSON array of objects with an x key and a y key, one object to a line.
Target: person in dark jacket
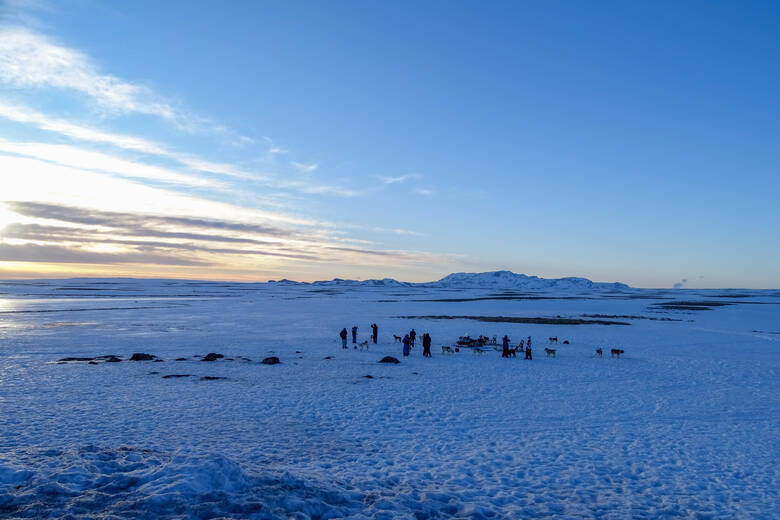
[
  {"x": 505, "y": 347},
  {"x": 528, "y": 354},
  {"x": 374, "y": 332},
  {"x": 426, "y": 340},
  {"x": 343, "y": 335},
  {"x": 406, "y": 345},
  {"x": 412, "y": 337},
  {"x": 354, "y": 334}
]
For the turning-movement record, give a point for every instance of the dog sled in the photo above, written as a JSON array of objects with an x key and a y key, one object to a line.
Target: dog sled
[{"x": 481, "y": 341}]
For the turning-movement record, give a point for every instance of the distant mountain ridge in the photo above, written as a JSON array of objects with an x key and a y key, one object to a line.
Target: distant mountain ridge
[{"x": 487, "y": 280}]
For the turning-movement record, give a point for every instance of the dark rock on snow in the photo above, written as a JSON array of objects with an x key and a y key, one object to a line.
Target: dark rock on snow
[
  {"x": 142, "y": 357},
  {"x": 212, "y": 356},
  {"x": 180, "y": 359},
  {"x": 171, "y": 376},
  {"x": 328, "y": 357},
  {"x": 273, "y": 360},
  {"x": 77, "y": 359},
  {"x": 212, "y": 378},
  {"x": 369, "y": 376},
  {"x": 389, "y": 359}
]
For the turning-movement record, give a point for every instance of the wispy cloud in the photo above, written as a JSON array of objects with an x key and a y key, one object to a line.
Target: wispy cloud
[
  {"x": 27, "y": 115},
  {"x": 79, "y": 158},
  {"x": 84, "y": 133},
  {"x": 305, "y": 168},
  {"x": 398, "y": 231},
  {"x": 31, "y": 60},
  {"x": 422, "y": 191},
  {"x": 400, "y": 179}
]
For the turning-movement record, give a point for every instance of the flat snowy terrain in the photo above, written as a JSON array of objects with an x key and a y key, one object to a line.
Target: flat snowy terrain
[{"x": 685, "y": 425}]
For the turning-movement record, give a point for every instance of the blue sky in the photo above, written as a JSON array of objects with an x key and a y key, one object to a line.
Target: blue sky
[{"x": 621, "y": 141}]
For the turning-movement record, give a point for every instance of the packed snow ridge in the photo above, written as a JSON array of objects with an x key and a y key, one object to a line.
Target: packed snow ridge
[{"x": 488, "y": 280}]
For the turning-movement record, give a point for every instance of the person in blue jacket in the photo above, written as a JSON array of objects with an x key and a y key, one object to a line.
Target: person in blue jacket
[
  {"x": 406, "y": 345},
  {"x": 354, "y": 334}
]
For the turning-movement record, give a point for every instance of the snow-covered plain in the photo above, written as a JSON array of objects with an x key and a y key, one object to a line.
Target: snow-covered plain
[{"x": 684, "y": 426}]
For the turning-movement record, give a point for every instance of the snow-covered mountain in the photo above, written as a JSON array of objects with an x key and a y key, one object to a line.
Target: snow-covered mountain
[
  {"x": 510, "y": 280},
  {"x": 497, "y": 280}
]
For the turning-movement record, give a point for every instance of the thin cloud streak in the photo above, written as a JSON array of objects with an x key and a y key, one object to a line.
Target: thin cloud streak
[
  {"x": 61, "y": 254},
  {"x": 305, "y": 168},
  {"x": 400, "y": 179},
  {"x": 138, "y": 221},
  {"x": 78, "y": 158},
  {"x": 398, "y": 231}
]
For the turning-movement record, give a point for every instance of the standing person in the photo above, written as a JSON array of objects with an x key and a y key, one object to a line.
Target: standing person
[
  {"x": 528, "y": 354},
  {"x": 354, "y": 334},
  {"x": 426, "y": 345},
  {"x": 406, "y": 345},
  {"x": 374, "y": 332},
  {"x": 343, "y": 335},
  {"x": 505, "y": 347},
  {"x": 412, "y": 337}
]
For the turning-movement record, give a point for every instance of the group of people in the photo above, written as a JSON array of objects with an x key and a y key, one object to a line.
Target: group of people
[
  {"x": 525, "y": 346},
  {"x": 343, "y": 334},
  {"x": 409, "y": 340}
]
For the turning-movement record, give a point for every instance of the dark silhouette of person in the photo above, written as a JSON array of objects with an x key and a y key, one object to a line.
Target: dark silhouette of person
[
  {"x": 426, "y": 341},
  {"x": 406, "y": 345},
  {"x": 374, "y": 332},
  {"x": 412, "y": 337},
  {"x": 343, "y": 335},
  {"x": 354, "y": 334},
  {"x": 505, "y": 347}
]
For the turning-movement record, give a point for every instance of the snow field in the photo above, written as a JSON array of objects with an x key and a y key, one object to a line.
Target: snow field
[{"x": 683, "y": 427}]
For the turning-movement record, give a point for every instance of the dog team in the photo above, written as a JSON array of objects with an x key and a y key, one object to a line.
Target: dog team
[{"x": 408, "y": 342}]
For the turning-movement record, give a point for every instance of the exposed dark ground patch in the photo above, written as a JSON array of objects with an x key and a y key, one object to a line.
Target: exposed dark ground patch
[
  {"x": 516, "y": 319},
  {"x": 702, "y": 305},
  {"x": 636, "y": 297},
  {"x": 97, "y": 289},
  {"x": 627, "y": 317}
]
